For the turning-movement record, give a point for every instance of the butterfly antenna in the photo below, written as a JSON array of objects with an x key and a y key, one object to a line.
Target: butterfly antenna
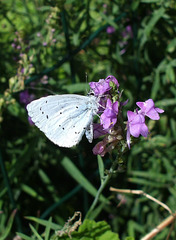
[{"x": 86, "y": 83}]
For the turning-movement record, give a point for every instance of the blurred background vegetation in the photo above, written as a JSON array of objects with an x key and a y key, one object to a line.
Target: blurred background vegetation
[{"x": 49, "y": 47}]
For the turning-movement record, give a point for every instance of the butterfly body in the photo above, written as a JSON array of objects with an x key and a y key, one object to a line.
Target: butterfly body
[{"x": 64, "y": 118}]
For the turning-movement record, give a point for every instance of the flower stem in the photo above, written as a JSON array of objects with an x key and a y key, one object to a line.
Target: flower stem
[{"x": 102, "y": 186}]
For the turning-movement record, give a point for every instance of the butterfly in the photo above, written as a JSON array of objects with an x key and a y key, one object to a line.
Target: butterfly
[{"x": 64, "y": 118}]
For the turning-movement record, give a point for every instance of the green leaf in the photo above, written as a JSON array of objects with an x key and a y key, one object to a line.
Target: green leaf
[
  {"x": 129, "y": 238},
  {"x": 146, "y": 182},
  {"x": 133, "y": 226},
  {"x": 31, "y": 192},
  {"x": 166, "y": 102},
  {"x": 91, "y": 230},
  {"x": 79, "y": 177},
  {"x": 101, "y": 167},
  {"x": 170, "y": 74},
  {"x": 157, "y": 14},
  {"x": 156, "y": 85},
  {"x": 23, "y": 236},
  {"x": 6, "y": 232},
  {"x": 150, "y": 1},
  {"x": 48, "y": 228},
  {"x": 35, "y": 232},
  {"x": 158, "y": 177},
  {"x": 108, "y": 20},
  {"x": 76, "y": 39},
  {"x": 96, "y": 230},
  {"x": 45, "y": 223},
  {"x": 172, "y": 45},
  {"x": 44, "y": 8},
  {"x": 48, "y": 184},
  {"x": 135, "y": 4}
]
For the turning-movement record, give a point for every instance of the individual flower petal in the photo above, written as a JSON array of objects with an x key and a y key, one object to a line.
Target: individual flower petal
[
  {"x": 136, "y": 126},
  {"x": 98, "y": 130},
  {"x": 103, "y": 85},
  {"x": 102, "y": 103},
  {"x": 110, "y": 29},
  {"x": 111, "y": 78},
  {"x": 30, "y": 121},
  {"x": 148, "y": 108},
  {"x": 100, "y": 87},
  {"x": 25, "y": 97},
  {"x": 109, "y": 117},
  {"x": 99, "y": 148}
]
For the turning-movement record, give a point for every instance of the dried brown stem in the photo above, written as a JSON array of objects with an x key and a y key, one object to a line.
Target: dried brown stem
[
  {"x": 162, "y": 225},
  {"x": 140, "y": 192}
]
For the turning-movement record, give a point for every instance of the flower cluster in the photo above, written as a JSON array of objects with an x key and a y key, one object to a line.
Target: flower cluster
[
  {"x": 111, "y": 123},
  {"x": 136, "y": 120}
]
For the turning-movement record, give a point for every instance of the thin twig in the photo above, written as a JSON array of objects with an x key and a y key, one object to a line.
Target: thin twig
[
  {"x": 140, "y": 192},
  {"x": 162, "y": 225}
]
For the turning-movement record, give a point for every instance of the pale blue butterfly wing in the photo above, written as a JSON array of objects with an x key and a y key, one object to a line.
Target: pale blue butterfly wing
[{"x": 64, "y": 118}]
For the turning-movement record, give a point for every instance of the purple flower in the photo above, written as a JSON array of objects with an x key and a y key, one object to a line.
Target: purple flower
[
  {"x": 30, "y": 121},
  {"x": 111, "y": 78},
  {"x": 38, "y": 34},
  {"x": 100, "y": 87},
  {"x": 44, "y": 79},
  {"x": 103, "y": 85},
  {"x": 44, "y": 44},
  {"x": 148, "y": 109},
  {"x": 99, "y": 130},
  {"x": 109, "y": 117},
  {"x": 110, "y": 29},
  {"x": 127, "y": 32},
  {"x": 136, "y": 126},
  {"x": 13, "y": 45},
  {"x": 99, "y": 149},
  {"x": 25, "y": 97}
]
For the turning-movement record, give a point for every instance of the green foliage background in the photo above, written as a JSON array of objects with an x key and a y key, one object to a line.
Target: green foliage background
[{"x": 63, "y": 40}]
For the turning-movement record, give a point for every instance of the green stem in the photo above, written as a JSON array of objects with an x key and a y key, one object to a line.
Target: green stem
[
  {"x": 66, "y": 32},
  {"x": 102, "y": 186}
]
